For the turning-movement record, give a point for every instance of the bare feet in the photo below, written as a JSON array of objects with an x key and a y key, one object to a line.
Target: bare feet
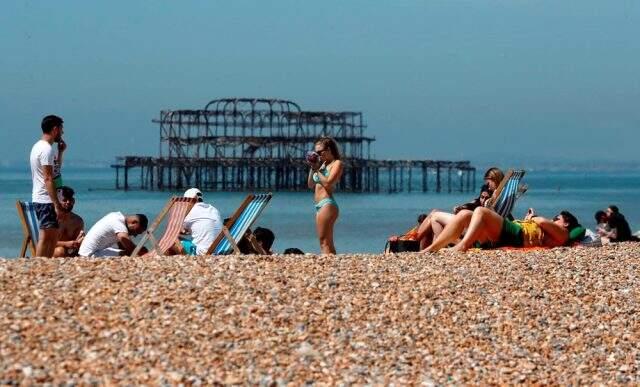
[{"x": 460, "y": 248}]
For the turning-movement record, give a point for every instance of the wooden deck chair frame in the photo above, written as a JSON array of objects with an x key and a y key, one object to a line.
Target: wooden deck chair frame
[
  {"x": 28, "y": 240},
  {"x": 148, "y": 234},
  {"x": 499, "y": 190},
  {"x": 226, "y": 234}
]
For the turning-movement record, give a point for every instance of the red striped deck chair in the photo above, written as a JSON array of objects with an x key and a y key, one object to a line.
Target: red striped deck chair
[
  {"x": 30, "y": 228},
  {"x": 178, "y": 208}
]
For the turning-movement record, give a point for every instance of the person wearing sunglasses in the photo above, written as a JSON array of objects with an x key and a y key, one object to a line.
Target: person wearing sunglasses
[
  {"x": 442, "y": 228},
  {"x": 491, "y": 230},
  {"x": 324, "y": 174}
]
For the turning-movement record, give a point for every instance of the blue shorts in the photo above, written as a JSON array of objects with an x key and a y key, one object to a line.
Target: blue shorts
[
  {"x": 189, "y": 247},
  {"x": 46, "y": 214}
]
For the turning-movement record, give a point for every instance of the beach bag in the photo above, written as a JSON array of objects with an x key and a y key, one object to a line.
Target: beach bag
[{"x": 401, "y": 245}]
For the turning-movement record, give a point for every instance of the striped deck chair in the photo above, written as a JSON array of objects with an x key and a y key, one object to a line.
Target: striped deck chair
[
  {"x": 237, "y": 225},
  {"x": 178, "y": 209},
  {"x": 507, "y": 192},
  {"x": 30, "y": 227}
]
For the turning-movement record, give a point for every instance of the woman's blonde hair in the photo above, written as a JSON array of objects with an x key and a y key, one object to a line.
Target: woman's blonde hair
[
  {"x": 331, "y": 144},
  {"x": 494, "y": 174}
]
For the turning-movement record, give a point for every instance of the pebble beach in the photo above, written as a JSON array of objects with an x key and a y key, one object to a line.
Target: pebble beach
[{"x": 560, "y": 316}]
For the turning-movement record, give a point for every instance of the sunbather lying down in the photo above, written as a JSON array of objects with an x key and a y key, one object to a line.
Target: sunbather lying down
[{"x": 492, "y": 230}]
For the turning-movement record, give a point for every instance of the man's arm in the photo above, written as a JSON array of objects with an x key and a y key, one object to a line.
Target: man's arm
[
  {"x": 62, "y": 146},
  {"x": 125, "y": 243},
  {"x": 77, "y": 234},
  {"x": 51, "y": 188}
]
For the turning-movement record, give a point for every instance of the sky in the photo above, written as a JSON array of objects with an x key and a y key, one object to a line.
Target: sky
[{"x": 492, "y": 80}]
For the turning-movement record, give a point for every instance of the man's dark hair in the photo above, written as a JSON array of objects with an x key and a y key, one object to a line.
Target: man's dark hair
[
  {"x": 421, "y": 218},
  {"x": 570, "y": 219},
  {"x": 265, "y": 237},
  {"x": 50, "y": 122},
  {"x": 614, "y": 209},
  {"x": 600, "y": 215},
  {"x": 66, "y": 192},
  {"x": 144, "y": 222},
  {"x": 293, "y": 251}
]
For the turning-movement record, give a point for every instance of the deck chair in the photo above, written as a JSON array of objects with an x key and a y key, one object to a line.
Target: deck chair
[
  {"x": 178, "y": 208},
  {"x": 30, "y": 227},
  {"x": 235, "y": 228},
  {"x": 507, "y": 193}
]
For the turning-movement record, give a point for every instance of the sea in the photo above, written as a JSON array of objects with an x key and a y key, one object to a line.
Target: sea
[{"x": 365, "y": 222}]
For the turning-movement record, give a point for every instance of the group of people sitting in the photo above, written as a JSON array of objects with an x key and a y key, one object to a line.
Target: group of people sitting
[
  {"x": 475, "y": 224},
  {"x": 612, "y": 226},
  {"x": 113, "y": 234}
]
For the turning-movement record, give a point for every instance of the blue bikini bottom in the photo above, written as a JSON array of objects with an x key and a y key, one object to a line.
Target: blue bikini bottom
[{"x": 325, "y": 202}]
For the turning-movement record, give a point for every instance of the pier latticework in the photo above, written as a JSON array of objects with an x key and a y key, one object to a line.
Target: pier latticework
[{"x": 237, "y": 144}]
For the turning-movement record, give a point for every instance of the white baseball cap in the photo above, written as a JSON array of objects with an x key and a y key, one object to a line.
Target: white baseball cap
[{"x": 193, "y": 193}]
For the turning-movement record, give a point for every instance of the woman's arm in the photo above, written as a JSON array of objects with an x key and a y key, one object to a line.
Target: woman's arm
[
  {"x": 334, "y": 175},
  {"x": 310, "y": 182},
  {"x": 558, "y": 234}
]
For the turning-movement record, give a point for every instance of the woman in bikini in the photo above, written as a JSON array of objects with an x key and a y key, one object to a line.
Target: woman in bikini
[{"x": 325, "y": 173}]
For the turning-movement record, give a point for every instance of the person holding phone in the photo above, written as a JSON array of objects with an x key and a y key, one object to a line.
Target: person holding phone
[
  {"x": 325, "y": 172},
  {"x": 43, "y": 159}
]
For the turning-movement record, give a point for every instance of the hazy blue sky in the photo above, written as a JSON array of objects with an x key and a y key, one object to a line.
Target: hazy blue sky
[{"x": 476, "y": 80}]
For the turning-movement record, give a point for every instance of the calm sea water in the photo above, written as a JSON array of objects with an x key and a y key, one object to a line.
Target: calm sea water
[{"x": 366, "y": 220}]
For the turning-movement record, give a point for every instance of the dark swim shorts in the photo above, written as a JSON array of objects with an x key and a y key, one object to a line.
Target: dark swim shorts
[
  {"x": 46, "y": 214},
  {"x": 511, "y": 234}
]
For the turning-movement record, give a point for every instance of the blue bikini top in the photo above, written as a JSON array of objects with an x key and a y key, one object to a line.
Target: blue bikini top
[{"x": 324, "y": 171}]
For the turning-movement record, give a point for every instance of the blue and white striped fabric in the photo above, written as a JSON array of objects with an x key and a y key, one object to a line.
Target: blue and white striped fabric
[
  {"x": 29, "y": 213},
  {"x": 506, "y": 201},
  {"x": 243, "y": 222}
]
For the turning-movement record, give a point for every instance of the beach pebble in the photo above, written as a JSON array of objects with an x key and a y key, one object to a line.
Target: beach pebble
[{"x": 561, "y": 316}]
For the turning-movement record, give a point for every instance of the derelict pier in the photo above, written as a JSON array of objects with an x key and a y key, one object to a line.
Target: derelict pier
[{"x": 244, "y": 144}]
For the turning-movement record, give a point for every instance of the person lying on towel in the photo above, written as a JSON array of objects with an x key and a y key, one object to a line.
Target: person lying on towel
[{"x": 491, "y": 230}]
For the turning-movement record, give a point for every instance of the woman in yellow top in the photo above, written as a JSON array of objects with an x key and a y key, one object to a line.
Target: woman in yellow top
[
  {"x": 487, "y": 227},
  {"x": 325, "y": 173}
]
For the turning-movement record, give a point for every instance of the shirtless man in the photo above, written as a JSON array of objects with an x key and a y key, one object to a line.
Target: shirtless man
[{"x": 71, "y": 231}]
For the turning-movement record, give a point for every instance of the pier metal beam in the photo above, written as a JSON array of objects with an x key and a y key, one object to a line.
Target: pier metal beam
[{"x": 260, "y": 144}]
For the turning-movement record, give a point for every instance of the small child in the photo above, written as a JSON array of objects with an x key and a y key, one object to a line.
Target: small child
[{"x": 602, "y": 226}]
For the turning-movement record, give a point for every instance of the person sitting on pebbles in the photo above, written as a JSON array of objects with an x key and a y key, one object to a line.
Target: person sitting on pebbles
[
  {"x": 203, "y": 224},
  {"x": 111, "y": 235},
  {"x": 71, "y": 231},
  {"x": 492, "y": 230}
]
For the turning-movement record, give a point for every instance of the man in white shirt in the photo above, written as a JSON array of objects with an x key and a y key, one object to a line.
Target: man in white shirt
[
  {"x": 43, "y": 159},
  {"x": 203, "y": 222},
  {"x": 111, "y": 235}
]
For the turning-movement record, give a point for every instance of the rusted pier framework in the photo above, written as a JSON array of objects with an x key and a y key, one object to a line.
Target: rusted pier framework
[{"x": 259, "y": 144}]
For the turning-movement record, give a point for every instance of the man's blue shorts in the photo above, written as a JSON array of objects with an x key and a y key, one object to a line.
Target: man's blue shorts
[
  {"x": 189, "y": 247},
  {"x": 46, "y": 214}
]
